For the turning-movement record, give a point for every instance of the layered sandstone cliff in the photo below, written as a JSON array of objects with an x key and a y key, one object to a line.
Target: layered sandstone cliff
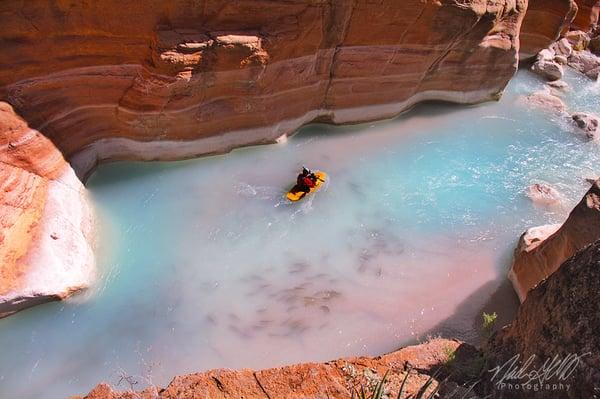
[
  {"x": 45, "y": 221},
  {"x": 587, "y": 16},
  {"x": 165, "y": 80},
  {"x": 544, "y": 22},
  {"x": 541, "y": 250}
]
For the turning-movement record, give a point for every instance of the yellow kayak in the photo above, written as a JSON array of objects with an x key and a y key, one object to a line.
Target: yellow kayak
[{"x": 294, "y": 196}]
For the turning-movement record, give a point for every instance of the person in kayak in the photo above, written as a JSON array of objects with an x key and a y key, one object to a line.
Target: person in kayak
[{"x": 305, "y": 181}]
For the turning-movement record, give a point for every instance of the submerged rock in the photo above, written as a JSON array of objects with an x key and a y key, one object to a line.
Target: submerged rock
[
  {"x": 558, "y": 84},
  {"x": 544, "y": 194},
  {"x": 587, "y": 123},
  {"x": 546, "y": 101}
]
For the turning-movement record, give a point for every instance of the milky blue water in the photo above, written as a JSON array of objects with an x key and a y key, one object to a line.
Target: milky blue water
[{"x": 204, "y": 265}]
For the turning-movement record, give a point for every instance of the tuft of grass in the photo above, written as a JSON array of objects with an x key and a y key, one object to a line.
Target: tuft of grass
[
  {"x": 450, "y": 355},
  {"x": 379, "y": 391},
  {"x": 489, "y": 320}
]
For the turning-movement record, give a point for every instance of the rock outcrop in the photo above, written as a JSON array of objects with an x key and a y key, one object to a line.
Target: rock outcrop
[
  {"x": 587, "y": 16},
  {"x": 544, "y": 22},
  {"x": 539, "y": 255},
  {"x": 558, "y": 323},
  {"x": 334, "y": 380},
  {"x": 45, "y": 221},
  {"x": 167, "y": 80}
]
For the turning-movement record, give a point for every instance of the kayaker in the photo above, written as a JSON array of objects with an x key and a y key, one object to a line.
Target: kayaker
[{"x": 305, "y": 181}]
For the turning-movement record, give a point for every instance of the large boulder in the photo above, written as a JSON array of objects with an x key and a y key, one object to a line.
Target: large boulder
[
  {"x": 587, "y": 15},
  {"x": 543, "y": 24},
  {"x": 586, "y": 63},
  {"x": 550, "y": 70},
  {"x": 579, "y": 40},
  {"x": 562, "y": 48},
  {"x": 45, "y": 220}
]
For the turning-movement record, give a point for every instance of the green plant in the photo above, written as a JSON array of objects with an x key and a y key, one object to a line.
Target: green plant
[
  {"x": 489, "y": 320},
  {"x": 378, "y": 391},
  {"x": 450, "y": 355}
]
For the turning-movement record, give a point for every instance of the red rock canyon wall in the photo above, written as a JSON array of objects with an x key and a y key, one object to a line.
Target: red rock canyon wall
[
  {"x": 544, "y": 22},
  {"x": 152, "y": 79},
  {"x": 45, "y": 221}
]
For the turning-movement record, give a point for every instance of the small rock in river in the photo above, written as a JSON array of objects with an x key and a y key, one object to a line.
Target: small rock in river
[
  {"x": 587, "y": 123},
  {"x": 551, "y": 70},
  {"x": 547, "y": 101},
  {"x": 543, "y": 194}
]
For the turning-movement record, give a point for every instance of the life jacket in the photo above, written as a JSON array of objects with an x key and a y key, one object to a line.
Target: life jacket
[{"x": 308, "y": 182}]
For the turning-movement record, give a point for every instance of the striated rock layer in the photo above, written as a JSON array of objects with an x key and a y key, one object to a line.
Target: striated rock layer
[
  {"x": 45, "y": 221},
  {"x": 587, "y": 16},
  {"x": 541, "y": 250},
  {"x": 544, "y": 22},
  {"x": 165, "y": 80}
]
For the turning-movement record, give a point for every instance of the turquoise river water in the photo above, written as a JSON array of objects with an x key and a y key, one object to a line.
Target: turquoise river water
[{"x": 204, "y": 265}]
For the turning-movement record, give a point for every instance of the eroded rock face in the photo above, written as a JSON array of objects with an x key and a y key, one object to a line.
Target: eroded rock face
[
  {"x": 165, "y": 80},
  {"x": 535, "y": 260},
  {"x": 544, "y": 22},
  {"x": 558, "y": 320},
  {"x": 587, "y": 16},
  {"x": 45, "y": 221},
  {"x": 334, "y": 380}
]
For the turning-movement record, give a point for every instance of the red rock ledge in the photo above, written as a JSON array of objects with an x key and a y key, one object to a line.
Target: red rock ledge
[
  {"x": 331, "y": 380},
  {"x": 541, "y": 250}
]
